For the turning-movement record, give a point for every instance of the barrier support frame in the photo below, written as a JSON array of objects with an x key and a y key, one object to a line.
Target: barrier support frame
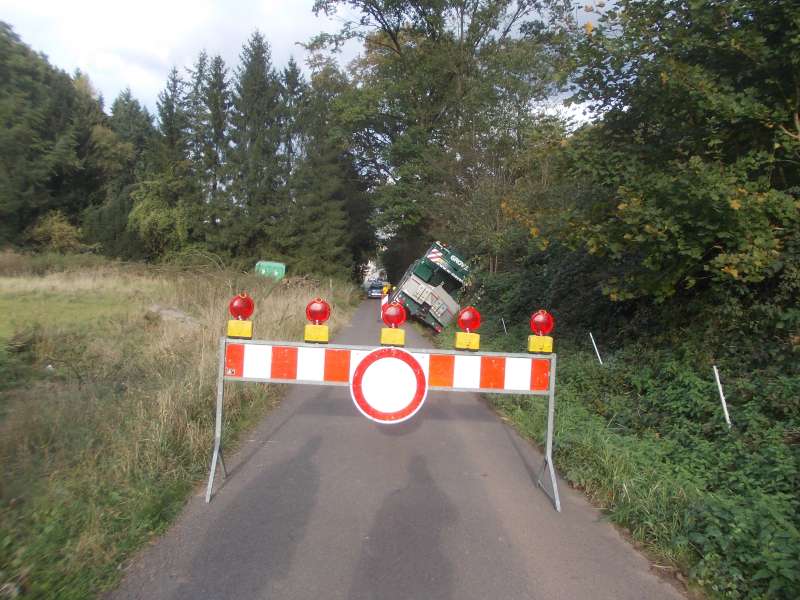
[
  {"x": 217, "y": 454},
  {"x": 547, "y": 464},
  {"x": 548, "y": 449}
]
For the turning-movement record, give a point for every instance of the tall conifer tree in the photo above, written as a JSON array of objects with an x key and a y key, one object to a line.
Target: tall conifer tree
[
  {"x": 197, "y": 118},
  {"x": 107, "y": 224},
  {"x": 332, "y": 234},
  {"x": 217, "y": 101},
  {"x": 173, "y": 121},
  {"x": 256, "y": 184},
  {"x": 293, "y": 96},
  {"x": 168, "y": 211}
]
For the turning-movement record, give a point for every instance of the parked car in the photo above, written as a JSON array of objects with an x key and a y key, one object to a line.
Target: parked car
[{"x": 375, "y": 290}]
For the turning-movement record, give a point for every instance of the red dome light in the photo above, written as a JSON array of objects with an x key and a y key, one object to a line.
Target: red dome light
[
  {"x": 318, "y": 311},
  {"x": 542, "y": 322},
  {"x": 393, "y": 314},
  {"x": 241, "y": 306},
  {"x": 469, "y": 319}
]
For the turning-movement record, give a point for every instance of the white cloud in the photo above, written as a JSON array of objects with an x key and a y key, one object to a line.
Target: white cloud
[{"x": 134, "y": 44}]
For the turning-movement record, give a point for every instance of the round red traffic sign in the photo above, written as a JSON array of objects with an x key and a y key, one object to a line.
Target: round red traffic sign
[{"x": 388, "y": 386}]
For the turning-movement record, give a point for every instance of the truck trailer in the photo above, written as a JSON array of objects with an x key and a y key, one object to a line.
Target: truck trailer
[{"x": 428, "y": 288}]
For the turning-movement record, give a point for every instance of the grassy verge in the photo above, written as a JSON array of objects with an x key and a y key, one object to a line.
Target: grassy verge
[
  {"x": 106, "y": 413},
  {"x": 644, "y": 438}
]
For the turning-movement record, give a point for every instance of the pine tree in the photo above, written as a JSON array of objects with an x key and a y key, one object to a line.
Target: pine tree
[
  {"x": 197, "y": 119},
  {"x": 257, "y": 188},
  {"x": 168, "y": 211},
  {"x": 217, "y": 102},
  {"x": 321, "y": 237},
  {"x": 107, "y": 224},
  {"x": 293, "y": 96},
  {"x": 173, "y": 121},
  {"x": 332, "y": 209},
  {"x": 43, "y": 140},
  {"x": 133, "y": 123},
  {"x": 99, "y": 153}
]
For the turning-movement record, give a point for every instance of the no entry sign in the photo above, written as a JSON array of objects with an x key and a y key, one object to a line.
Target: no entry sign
[{"x": 388, "y": 386}]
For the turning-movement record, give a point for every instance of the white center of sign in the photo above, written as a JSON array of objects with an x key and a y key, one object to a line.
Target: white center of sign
[{"x": 389, "y": 384}]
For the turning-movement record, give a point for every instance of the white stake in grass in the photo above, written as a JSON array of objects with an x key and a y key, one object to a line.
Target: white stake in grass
[
  {"x": 722, "y": 397},
  {"x": 596, "y": 351}
]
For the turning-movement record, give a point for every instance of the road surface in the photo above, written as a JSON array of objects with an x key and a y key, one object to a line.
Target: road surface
[{"x": 322, "y": 504}]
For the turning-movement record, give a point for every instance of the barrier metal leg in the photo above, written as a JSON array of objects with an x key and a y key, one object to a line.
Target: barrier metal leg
[
  {"x": 548, "y": 453},
  {"x": 217, "y": 454}
]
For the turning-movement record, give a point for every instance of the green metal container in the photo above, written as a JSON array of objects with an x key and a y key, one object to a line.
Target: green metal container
[{"x": 266, "y": 268}]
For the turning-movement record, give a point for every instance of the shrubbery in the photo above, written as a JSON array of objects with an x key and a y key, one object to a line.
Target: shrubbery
[{"x": 645, "y": 437}]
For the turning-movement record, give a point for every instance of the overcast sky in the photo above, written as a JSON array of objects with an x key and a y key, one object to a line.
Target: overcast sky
[{"x": 134, "y": 44}]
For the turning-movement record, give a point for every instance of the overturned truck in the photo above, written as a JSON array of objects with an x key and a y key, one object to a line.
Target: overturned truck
[{"x": 429, "y": 285}]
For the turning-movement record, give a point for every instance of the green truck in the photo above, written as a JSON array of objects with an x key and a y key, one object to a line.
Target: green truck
[{"x": 429, "y": 285}]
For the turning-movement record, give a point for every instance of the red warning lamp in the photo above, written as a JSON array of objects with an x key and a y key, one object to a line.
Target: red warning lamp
[
  {"x": 542, "y": 322},
  {"x": 318, "y": 311},
  {"x": 469, "y": 319},
  {"x": 393, "y": 314},
  {"x": 241, "y": 307}
]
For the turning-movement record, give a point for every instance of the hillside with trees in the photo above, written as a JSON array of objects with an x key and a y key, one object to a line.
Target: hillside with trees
[
  {"x": 667, "y": 222},
  {"x": 223, "y": 167}
]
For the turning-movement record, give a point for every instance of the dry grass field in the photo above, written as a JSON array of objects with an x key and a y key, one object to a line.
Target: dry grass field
[{"x": 106, "y": 405}]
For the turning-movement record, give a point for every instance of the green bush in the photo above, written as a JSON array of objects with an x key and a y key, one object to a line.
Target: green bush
[
  {"x": 746, "y": 545},
  {"x": 54, "y": 233},
  {"x": 644, "y": 437}
]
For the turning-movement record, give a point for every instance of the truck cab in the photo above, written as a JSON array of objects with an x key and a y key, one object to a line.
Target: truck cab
[{"x": 428, "y": 287}]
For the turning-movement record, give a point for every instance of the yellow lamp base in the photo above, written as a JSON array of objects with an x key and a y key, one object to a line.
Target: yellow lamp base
[
  {"x": 391, "y": 336},
  {"x": 468, "y": 341},
  {"x": 540, "y": 343},
  {"x": 242, "y": 330},
  {"x": 316, "y": 334}
]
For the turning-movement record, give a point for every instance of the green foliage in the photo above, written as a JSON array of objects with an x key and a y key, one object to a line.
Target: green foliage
[
  {"x": 644, "y": 437},
  {"x": 255, "y": 166},
  {"x": 233, "y": 165},
  {"x": 50, "y": 149},
  {"x": 751, "y": 540},
  {"x": 132, "y": 123},
  {"x": 319, "y": 219},
  {"x": 173, "y": 121},
  {"x": 54, "y": 233},
  {"x": 162, "y": 214},
  {"x": 694, "y": 166},
  {"x": 442, "y": 102},
  {"x": 330, "y": 210}
]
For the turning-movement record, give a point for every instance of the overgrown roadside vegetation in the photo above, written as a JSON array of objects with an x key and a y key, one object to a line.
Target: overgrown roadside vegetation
[
  {"x": 106, "y": 416},
  {"x": 643, "y": 436},
  {"x": 721, "y": 506}
]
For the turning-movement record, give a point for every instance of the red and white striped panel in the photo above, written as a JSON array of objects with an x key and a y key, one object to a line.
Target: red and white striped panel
[{"x": 334, "y": 365}]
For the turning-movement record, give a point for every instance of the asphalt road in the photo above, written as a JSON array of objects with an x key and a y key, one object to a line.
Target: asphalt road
[{"x": 323, "y": 504}]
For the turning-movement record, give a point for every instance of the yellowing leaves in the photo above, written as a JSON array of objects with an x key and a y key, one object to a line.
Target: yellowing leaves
[
  {"x": 735, "y": 204},
  {"x": 511, "y": 210},
  {"x": 731, "y": 270}
]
